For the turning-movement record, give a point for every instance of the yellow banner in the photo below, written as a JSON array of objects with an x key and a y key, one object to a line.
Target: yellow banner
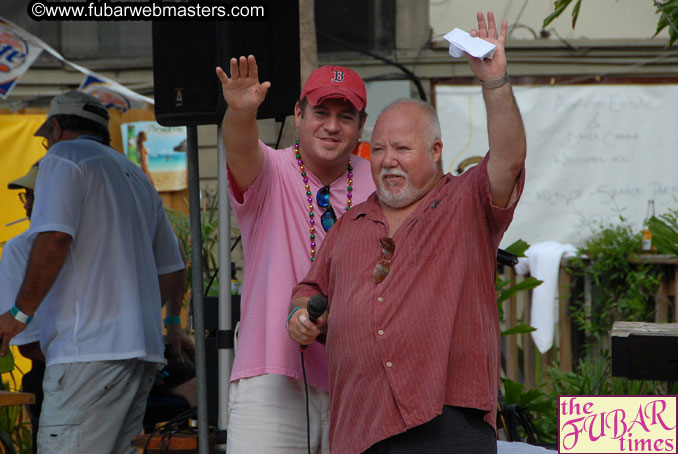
[{"x": 19, "y": 149}]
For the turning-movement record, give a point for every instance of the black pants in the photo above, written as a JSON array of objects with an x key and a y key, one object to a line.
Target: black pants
[
  {"x": 456, "y": 430},
  {"x": 32, "y": 383}
]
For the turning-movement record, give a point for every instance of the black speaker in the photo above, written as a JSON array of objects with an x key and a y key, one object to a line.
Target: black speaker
[{"x": 186, "y": 89}]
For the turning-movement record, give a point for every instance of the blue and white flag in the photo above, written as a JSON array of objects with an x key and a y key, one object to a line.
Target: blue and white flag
[
  {"x": 112, "y": 94},
  {"x": 18, "y": 51}
]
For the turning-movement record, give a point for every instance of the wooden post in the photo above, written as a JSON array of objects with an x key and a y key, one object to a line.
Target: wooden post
[
  {"x": 661, "y": 302},
  {"x": 512, "y": 341},
  {"x": 564, "y": 321},
  {"x": 546, "y": 361},
  {"x": 308, "y": 50},
  {"x": 528, "y": 346}
]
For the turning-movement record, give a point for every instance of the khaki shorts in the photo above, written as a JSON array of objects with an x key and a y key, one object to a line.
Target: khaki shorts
[
  {"x": 267, "y": 414},
  {"x": 94, "y": 407}
]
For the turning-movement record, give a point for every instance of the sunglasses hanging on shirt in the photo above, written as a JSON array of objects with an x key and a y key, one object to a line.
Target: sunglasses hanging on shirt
[{"x": 328, "y": 218}]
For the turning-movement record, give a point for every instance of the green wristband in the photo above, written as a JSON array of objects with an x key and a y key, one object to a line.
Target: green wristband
[
  {"x": 20, "y": 316},
  {"x": 287, "y": 323},
  {"x": 172, "y": 320}
]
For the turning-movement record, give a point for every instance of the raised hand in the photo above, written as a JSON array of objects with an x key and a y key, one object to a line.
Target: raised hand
[
  {"x": 242, "y": 91},
  {"x": 495, "y": 68}
]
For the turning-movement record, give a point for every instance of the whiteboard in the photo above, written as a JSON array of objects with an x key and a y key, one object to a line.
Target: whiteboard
[{"x": 594, "y": 153}]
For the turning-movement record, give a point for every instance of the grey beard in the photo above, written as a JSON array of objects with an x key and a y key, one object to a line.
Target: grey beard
[{"x": 408, "y": 194}]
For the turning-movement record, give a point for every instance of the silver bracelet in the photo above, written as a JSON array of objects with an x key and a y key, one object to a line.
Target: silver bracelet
[{"x": 495, "y": 83}]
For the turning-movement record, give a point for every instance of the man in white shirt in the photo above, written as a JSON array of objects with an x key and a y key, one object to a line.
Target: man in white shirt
[{"x": 103, "y": 258}]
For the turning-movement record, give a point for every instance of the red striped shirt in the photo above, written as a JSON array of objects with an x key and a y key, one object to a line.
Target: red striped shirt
[{"x": 428, "y": 335}]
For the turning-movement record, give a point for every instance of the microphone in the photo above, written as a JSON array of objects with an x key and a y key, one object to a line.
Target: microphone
[{"x": 316, "y": 307}]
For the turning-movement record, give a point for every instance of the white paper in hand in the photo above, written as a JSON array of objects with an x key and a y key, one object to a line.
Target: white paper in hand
[{"x": 461, "y": 41}]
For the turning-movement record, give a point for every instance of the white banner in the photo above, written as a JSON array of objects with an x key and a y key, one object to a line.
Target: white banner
[{"x": 594, "y": 153}]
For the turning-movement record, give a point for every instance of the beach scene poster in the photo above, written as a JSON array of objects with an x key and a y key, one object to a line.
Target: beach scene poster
[{"x": 160, "y": 151}]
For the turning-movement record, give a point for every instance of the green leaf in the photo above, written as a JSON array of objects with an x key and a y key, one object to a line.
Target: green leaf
[
  {"x": 7, "y": 362},
  {"x": 512, "y": 391},
  {"x": 518, "y": 248},
  {"x": 661, "y": 24},
  {"x": 518, "y": 329},
  {"x": 560, "y": 6},
  {"x": 527, "y": 284},
  {"x": 575, "y": 13},
  {"x": 673, "y": 35},
  {"x": 664, "y": 234},
  {"x": 7, "y": 443},
  {"x": 500, "y": 284},
  {"x": 669, "y": 18}
]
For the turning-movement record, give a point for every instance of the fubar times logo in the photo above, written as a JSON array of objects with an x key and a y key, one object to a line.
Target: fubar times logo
[{"x": 617, "y": 424}]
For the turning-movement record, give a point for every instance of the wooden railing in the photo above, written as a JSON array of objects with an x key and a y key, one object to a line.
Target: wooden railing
[{"x": 566, "y": 345}]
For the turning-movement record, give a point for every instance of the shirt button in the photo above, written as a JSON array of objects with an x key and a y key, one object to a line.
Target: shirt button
[
  {"x": 389, "y": 364},
  {"x": 381, "y": 332},
  {"x": 380, "y": 299}
]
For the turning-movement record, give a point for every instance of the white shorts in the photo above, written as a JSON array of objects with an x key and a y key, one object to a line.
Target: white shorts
[
  {"x": 267, "y": 413},
  {"x": 94, "y": 407}
]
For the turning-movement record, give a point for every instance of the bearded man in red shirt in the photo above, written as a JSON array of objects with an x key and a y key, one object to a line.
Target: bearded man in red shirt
[{"x": 412, "y": 328}]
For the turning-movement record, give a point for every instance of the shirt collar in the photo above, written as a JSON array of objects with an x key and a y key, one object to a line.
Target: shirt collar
[
  {"x": 370, "y": 209},
  {"x": 90, "y": 137}
]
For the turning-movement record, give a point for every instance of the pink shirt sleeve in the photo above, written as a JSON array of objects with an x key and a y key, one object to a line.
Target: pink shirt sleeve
[{"x": 242, "y": 202}]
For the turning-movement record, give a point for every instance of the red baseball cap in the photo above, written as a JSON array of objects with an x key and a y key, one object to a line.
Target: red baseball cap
[{"x": 331, "y": 82}]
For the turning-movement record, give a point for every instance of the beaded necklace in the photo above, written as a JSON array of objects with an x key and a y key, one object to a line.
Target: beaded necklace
[{"x": 309, "y": 195}]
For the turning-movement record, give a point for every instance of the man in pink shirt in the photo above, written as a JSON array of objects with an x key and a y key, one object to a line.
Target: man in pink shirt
[
  {"x": 285, "y": 201},
  {"x": 412, "y": 327}
]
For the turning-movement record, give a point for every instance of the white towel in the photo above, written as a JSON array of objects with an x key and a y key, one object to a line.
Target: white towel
[{"x": 542, "y": 261}]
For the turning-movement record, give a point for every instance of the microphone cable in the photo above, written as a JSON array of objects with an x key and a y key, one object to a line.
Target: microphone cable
[
  {"x": 315, "y": 306},
  {"x": 308, "y": 412}
]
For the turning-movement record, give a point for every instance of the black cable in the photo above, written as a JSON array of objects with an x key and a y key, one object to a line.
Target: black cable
[
  {"x": 209, "y": 284},
  {"x": 308, "y": 413},
  {"x": 410, "y": 75},
  {"x": 216, "y": 271},
  {"x": 171, "y": 427},
  {"x": 235, "y": 243}
]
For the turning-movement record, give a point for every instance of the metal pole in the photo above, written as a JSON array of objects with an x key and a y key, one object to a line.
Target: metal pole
[
  {"x": 225, "y": 355},
  {"x": 197, "y": 285}
]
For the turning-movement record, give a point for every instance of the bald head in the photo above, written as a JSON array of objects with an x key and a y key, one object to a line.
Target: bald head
[{"x": 429, "y": 124}]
